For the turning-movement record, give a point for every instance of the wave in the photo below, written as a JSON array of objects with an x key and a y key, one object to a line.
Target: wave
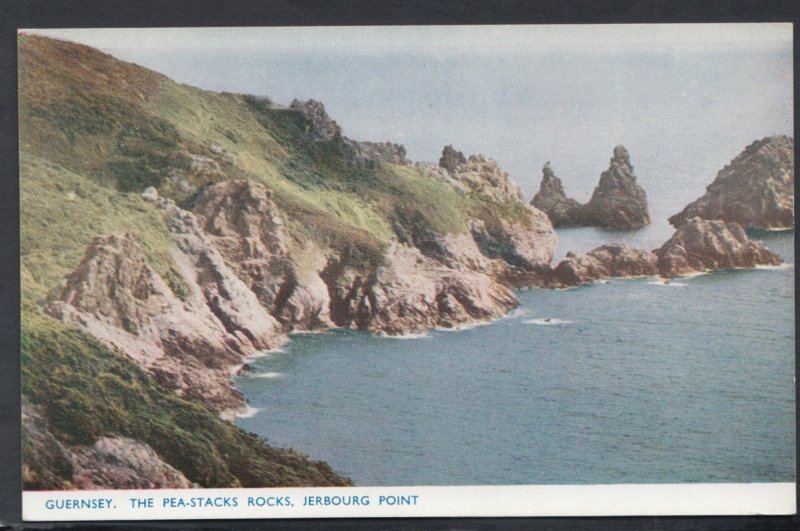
[
  {"x": 248, "y": 412},
  {"x": 668, "y": 283},
  {"x": 548, "y": 322},
  {"x": 516, "y": 314},
  {"x": 270, "y": 375},
  {"x": 465, "y": 326},
  {"x": 783, "y": 265},
  {"x": 421, "y": 335}
]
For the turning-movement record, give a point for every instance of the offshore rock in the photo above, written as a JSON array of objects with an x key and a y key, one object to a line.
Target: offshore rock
[
  {"x": 551, "y": 199},
  {"x": 755, "y": 190},
  {"x": 607, "y": 261},
  {"x": 702, "y": 245},
  {"x": 618, "y": 202},
  {"x": 699, "y": 246}
]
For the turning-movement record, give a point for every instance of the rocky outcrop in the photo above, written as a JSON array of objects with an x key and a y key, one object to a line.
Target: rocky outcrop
[
  {"x": 551, "y": 199},
  {"x": 607, "y": 261},
  {"x": 123, "y": 463},
  {"x": 526, "y": 245},
  {"x": 413, "y": 293},
  {"x": 451, "y": 158},
  {"x": 702, "y": 245},
  {"x": 188, "y": 341},
  {"x": 323, "y": 127},
  {"x": 110, "y": 463},
  {"x": 381, "y": 152},
  {"x": 618, "y": 202},
  {"x": 699, "y": 246},
  {"x": 756, "y": 190},
  {"x": 481, "y": 175}
]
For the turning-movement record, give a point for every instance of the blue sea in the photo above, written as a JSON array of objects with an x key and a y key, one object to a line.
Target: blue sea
[{"x": 629, "y": 381}]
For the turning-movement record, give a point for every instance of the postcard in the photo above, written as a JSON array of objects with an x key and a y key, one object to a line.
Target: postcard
[{"x": 407, "y": 271}]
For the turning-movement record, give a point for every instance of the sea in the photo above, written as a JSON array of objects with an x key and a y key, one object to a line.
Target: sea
[{"x": 626, "y": 381}]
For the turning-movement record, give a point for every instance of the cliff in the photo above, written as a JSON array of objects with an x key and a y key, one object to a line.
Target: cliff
[
  {"x": 756, "y": 190},
  {"x": 617, "y": 201},
  {"x": 183, "y": 230}
]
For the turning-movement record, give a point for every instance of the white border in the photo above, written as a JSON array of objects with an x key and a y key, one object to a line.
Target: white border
[{"x": 524, "y": 500}]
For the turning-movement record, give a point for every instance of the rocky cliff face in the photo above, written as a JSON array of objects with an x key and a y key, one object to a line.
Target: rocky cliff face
[
  {"x": 245, "y": 283},
  {"x": 755, "y": 190},
  {"x": 187, "y": 345},
  {"x": 617, "y": 202}
]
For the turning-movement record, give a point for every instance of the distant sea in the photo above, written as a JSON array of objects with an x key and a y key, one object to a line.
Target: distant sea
[{"x": 630, "y": 381}]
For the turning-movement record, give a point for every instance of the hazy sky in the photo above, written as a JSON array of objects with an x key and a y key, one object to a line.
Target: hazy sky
[{"x": 684, "y": 99}]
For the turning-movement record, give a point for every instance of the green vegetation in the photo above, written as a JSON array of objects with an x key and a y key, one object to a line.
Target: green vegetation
[
  {"x": 94, "y": 133},
  {"x": 62, "y": 212},
  {"x": 87, "y": 391}
]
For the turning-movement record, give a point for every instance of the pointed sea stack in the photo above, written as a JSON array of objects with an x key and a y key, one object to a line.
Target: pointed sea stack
[
  {"x": 755, "y": 190},
  {"x": 551, "y": 199},
  {"x": 618, "y": 202}
]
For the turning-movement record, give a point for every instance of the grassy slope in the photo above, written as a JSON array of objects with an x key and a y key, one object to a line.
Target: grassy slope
[{"x": 94, "y": 132}]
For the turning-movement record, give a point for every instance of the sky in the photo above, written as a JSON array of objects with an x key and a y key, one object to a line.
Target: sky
[{"x": 684, "y": 99}]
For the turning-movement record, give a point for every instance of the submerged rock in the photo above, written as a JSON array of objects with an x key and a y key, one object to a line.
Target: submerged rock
[
  {"x": 755, "y": 190},
  {"x": 617, "y": 202}
]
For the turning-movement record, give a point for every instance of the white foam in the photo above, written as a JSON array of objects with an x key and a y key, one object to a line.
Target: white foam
[
  {"x": 519, "y": 312},
  {"x": 668, "y": 283},
  {"x": 248, "y": 412},
  {"x": 270, "y": 375},
  {"x": 465, "y": 326},
  {"x": 548, "y": 322},
  {"x": 783, "y": 265},
  {"x": 422, "y": 335}
]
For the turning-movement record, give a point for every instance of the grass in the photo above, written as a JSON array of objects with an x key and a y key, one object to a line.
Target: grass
[
  {"x": 94, "y": 132},
  {"x": 61, "y": 212},
  {"x": 87, "y": 391}
]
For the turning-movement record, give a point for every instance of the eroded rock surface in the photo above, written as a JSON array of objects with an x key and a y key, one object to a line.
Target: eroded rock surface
[{"x": 755, "y": 190}]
